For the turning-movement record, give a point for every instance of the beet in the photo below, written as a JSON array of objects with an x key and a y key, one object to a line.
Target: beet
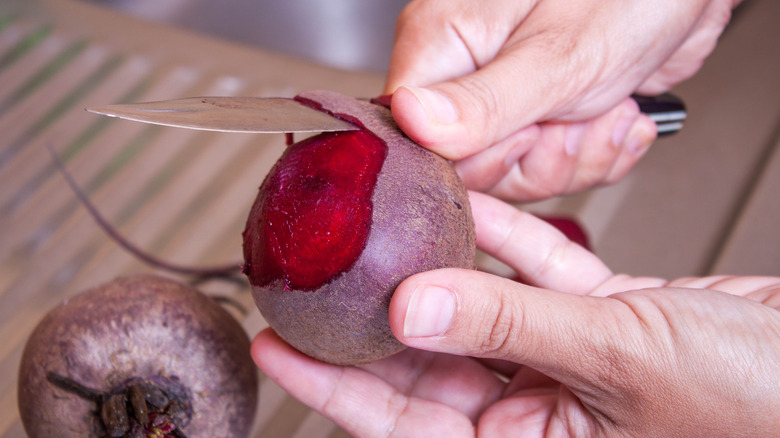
[
  {"x": 138, "y": 353},
  {"x": 340, "y": 221}
]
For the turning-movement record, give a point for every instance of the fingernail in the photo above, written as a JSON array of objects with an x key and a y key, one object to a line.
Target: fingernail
[
  {"x": 620, "y": 131},
  {"x": 429, "y": 312},
  {"x": 639, "y": 141},
  {"x": 573, "y": 137},
  {"x": 438, "y": 106}
]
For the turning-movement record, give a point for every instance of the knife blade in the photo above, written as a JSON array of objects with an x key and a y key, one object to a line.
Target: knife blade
[
  {"x": 229, "y": 114},
  {"x": 283, "y": 115}
]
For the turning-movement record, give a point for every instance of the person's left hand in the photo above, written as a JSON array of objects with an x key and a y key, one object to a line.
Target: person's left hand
[{"x": 585, "y": 353}]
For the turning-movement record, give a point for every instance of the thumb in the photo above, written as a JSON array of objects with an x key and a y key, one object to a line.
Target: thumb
[
  {"x": 456, "y": 88},
  {"x": 460, "y": 118},
  {"x": 472, "y": 313},
  {"x": 539, "y": 65},
  {"x": 466, "y": 115}
]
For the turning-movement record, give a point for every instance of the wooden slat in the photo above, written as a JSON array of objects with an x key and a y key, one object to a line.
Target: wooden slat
[
  {"x": 14, "y": 77},
  {"x": 14, "y": 34},
  {"x": 184, "y": 194},
  {"x": 26, "y": 169},
  {"x": 52, "y": 238},
  {"x": 145, "y": 169},
  {"x": 23, "y": 119}
]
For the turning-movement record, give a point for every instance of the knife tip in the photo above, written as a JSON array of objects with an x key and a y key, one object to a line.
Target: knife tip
[{"x": 100, "y": 110}]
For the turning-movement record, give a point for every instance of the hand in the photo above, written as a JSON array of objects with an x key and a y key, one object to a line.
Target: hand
[
  {"x": 560, "y": 158},
  {"x": 584, "y": 353},
  {"x": 518, "y": 76}
]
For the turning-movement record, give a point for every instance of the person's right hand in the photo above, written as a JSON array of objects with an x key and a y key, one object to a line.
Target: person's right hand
[
  {"x": 560, "y": 158},
  {"x": 535, "y": 92}
]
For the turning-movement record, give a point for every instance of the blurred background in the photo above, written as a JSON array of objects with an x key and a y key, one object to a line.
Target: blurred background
[{"x": 348, "y": 34}]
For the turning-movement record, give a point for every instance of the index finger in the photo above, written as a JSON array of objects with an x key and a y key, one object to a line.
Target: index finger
[
  {"x": 536, "y": 250},
  {"x": 355, "y": 399}
]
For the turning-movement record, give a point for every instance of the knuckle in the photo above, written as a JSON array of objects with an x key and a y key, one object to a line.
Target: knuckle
[
  {"x": 536, "y": 183},
  {"x": 483, "y": 94},
  {"x": 590, "y": 176},
  {"x": 552, "y": 261},
  {"x": 499, "y": 336},
  {"x": 551, "y": 184},
  {"x": 398, "y": 407},
  {"x": 481, "y": 100},
  {"x": 618, "y": 172},
  {"x": 331, "y": 402},
  {"x": 621, "y": 363}
]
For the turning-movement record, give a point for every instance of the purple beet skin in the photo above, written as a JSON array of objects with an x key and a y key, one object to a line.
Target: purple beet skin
[
  {"x": 340, "y": 221},
  {"x": 134, "y": 357}
]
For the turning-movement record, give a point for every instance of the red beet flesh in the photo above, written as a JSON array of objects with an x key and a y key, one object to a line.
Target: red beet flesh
[
  {"x": 406, "y": 212},
  {"x": 316, "y": 211}
]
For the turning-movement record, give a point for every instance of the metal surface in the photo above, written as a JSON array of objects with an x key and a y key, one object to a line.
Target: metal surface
[
  {"x": 229, "y": 114},
  {"x": 347, "y": 34}
]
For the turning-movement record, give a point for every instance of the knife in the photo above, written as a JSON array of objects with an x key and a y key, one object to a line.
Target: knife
[
  {"x": 283, "y": 115},
  {"x": 666, "y": 110},
  {"x": 229, "y": 114}
]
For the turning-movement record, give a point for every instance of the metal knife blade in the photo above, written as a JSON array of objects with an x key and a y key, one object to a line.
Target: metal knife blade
[
  {"x": 274, "y": 114},
  {"x": 229, "y": 114}
]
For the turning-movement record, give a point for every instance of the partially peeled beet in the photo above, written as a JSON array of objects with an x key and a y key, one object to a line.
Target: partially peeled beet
[{"x": 340, "y": 221}]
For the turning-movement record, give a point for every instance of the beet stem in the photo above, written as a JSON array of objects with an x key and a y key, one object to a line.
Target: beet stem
[
  {"x": 74, "y": 387},
  {"x": 219, "y": 271},
  {"x": 114, "y": 409},
  {"x": 226, "y": 300}
]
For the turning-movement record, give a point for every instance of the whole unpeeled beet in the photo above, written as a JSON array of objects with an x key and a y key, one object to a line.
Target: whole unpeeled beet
[
  {"x": 340, "y": 221},
  {"x": 135, "y": 328}
]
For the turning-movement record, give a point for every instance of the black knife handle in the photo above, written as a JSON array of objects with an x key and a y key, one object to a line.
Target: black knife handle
[{"x": 667, "y": 111}]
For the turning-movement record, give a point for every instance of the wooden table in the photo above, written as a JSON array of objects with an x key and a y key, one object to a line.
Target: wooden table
[{"x": 705, "y": 201}]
